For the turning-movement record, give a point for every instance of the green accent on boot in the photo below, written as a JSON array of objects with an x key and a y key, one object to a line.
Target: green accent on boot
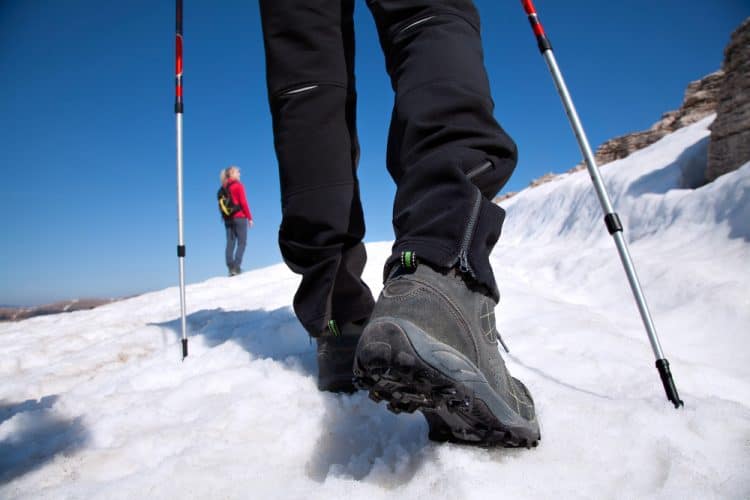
[
  {"x": 409, "y": 260},
  {"x": 334, "y": 328}
]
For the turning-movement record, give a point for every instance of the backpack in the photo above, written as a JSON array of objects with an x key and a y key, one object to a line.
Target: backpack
[{"x": 227, "y": 207}]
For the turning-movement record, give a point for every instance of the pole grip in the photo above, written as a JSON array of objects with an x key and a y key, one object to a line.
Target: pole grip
[
  {"x": 666, "y": 379},
  {"x": 528, "y": 6},
  {"x": 178, "y": 106},
  {"x": 536, "y": 26}
]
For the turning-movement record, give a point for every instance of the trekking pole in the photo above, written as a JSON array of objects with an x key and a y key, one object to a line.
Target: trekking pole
[
  {"x": 180, "y": 236},
  {"x": 611, "y": 219}
]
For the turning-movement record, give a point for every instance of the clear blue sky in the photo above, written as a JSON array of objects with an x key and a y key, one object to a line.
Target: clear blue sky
[{"x": 87, "y": 124}]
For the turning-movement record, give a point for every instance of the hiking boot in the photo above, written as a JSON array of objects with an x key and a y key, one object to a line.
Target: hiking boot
[
  {"x": 431, "y": 345},
  {"x": 336, "y": 348}
]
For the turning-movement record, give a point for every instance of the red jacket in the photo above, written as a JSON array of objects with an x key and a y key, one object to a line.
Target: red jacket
[{"x": 237, "y": 192}]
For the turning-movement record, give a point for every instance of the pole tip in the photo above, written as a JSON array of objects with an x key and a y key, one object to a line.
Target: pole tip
[
  {"x": 666, "y": 379},
  {"x": 184, "y": 349}
]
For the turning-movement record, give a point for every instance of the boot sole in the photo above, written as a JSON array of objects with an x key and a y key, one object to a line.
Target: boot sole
[{"x": 399, "y": 363}]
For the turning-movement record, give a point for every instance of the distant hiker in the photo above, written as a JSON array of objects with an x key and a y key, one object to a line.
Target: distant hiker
[
  {"x": 430, "y": 342},
  {"x": 236, "y": 215}
]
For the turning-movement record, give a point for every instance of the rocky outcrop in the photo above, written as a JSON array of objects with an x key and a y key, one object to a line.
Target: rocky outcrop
[
  {"x": 549, "y": 177},
  {"x": 542, "y": 180},
  {"x": 730, "y": 132},
  {"x": 19, "y": 313},
  {"x": 505, "y": 196},
  {"x": 701, "y": 99},
  {"x": 725, "y": 92}
]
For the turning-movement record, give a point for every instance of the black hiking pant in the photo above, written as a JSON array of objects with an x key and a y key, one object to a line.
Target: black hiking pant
[{"x": 446, "y": 153}]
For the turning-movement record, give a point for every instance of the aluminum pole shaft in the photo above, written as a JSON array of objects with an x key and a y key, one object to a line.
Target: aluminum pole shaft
[
  {"x": 604, "y": 200},
  {"x": 611, "y": 219},
  {"x": 178, "y": 108}
]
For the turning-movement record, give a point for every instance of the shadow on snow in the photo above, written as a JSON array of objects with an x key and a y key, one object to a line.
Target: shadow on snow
[
  {"x": 38, "y": 436},
  {"x": 686, "y": 172},
  {"x": 360, "y": 439},
  {"x": 264, "y": 334}
]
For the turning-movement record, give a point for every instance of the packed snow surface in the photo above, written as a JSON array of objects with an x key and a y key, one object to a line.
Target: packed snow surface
[{"x": 99, "y": 404}]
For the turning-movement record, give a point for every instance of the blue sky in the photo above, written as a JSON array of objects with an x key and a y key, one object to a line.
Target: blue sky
[{"x": 87, "y": 124}]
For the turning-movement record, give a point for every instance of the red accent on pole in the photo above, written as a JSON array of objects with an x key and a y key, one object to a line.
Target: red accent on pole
[
  {"x": 178, "y": 45},
  {"x": 536, "y": 26},
  {"x": 528, "y": 7}
]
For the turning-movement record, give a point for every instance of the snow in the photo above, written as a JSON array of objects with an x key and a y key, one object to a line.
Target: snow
[{"x": 98, "y": 404}]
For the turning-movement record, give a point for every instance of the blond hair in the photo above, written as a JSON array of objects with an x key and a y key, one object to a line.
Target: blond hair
[{"x": 226, "y": 173}]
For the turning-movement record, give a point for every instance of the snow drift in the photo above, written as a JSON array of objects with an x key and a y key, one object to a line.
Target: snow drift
[{"x": 97, "y": 404}]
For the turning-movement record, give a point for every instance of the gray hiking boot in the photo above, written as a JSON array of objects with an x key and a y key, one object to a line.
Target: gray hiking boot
[
  {"x": 336, "y": 348},
  {"x": 431, "y": 345}
]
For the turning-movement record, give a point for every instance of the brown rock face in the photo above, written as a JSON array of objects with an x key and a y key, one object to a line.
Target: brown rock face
[
  {"x": 701, "y": 99},
  {"x": 20, "y": 313},
  {"x": 730, "y": 132},
  {"x": 725, "y": 92}
]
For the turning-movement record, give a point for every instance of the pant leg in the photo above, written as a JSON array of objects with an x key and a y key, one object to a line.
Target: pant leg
[
  {"x": 231, "y": 240},
  {"x": 240, "y": 231},
  {"x": 309, "y": 48},
  {"x": 442, "y": 132}
]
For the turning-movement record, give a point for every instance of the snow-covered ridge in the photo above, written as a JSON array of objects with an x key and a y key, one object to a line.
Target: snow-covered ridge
[
  {"x": 98, "y": 404},
  {"x": 645, "y": 189}
]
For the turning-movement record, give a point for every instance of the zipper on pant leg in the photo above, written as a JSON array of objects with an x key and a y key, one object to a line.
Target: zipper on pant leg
[
  {"x": 415, "y": 23},
  {"x": 463, "y": 254},
  {"x": 479, "y": 170},
  {"x": 299, "y": 90}
]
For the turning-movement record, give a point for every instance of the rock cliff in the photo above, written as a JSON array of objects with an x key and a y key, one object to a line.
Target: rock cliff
[
  {"x": 730, "y": 132},
  {"x": 700, "y": 100},
  {"x": 725, "y": 92}
]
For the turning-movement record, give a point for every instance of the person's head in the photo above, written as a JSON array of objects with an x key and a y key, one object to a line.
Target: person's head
[
  {"x": 229, "y": 173},
  {"x": 233, "y": 172}
]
